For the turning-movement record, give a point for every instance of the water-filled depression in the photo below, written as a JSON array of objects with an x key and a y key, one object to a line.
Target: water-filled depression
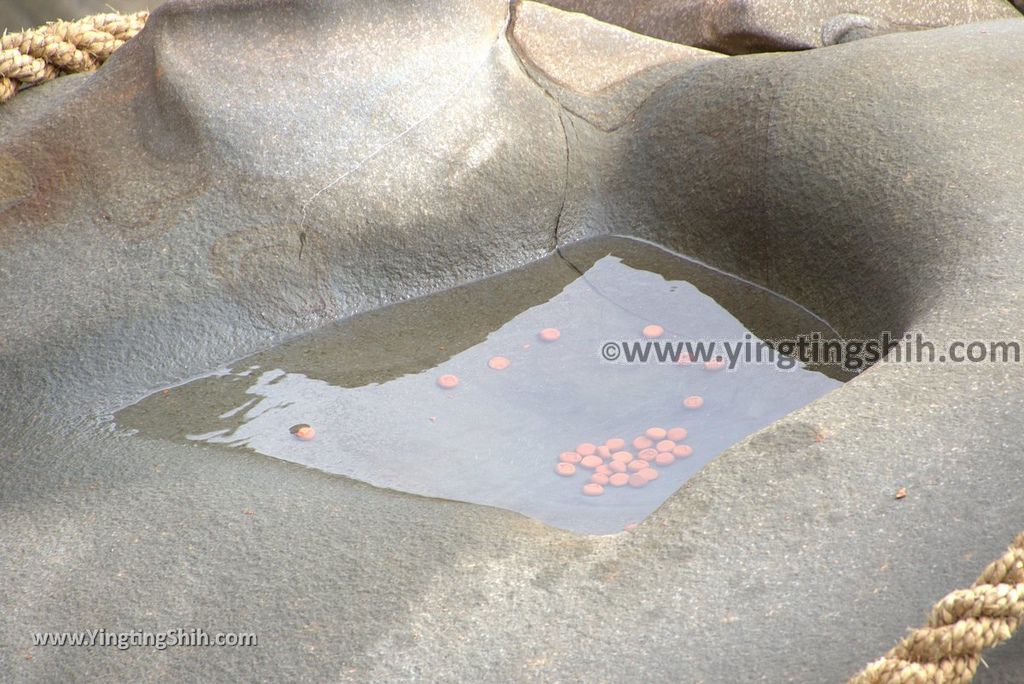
[{"x": 516, "y": 391}]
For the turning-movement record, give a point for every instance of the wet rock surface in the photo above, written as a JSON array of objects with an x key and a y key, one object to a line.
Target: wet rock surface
[{"x": 186, "y": 206}]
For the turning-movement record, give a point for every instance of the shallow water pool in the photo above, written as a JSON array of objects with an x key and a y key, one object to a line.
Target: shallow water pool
[{"x": 516, "y": 391}]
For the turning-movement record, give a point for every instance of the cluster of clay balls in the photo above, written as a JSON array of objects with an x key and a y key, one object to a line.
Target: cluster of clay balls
[
  {"x": 615, "y": 464},
  {"x": 612, "y": 464}
]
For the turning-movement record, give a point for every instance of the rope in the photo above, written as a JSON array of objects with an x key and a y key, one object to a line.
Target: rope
[
  {"x": 961, "y": 626},
  {"x": 62, "y": 47}
]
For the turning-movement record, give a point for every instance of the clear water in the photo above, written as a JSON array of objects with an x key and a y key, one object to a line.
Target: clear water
[{"x": 369, "y": 386}]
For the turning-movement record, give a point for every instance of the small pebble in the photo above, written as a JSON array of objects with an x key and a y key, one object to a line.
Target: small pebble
[
  {"x": 677, "y": 434},
  {"x": 642, "y": 443},
  {"x": 618, "y": 479},
  {"x": 499, "y": 362},
  {"x": 665, "y": 459},
  {"x": 637, "y": 480},
  {"x": 565, "y": 469},
  {"x": 569, "y": 457},
  {"x": 693, "y": 402},
  {"x": 647, "y": 454},
  {"x": 656, "y": 433},
  {"x": 448, "y": 381},
  {"x": 682, "y": 451},
  {"x": 549, "y": 334},
  {"x": 649, "y": 474},
  {"x": 304, "y": 432}
]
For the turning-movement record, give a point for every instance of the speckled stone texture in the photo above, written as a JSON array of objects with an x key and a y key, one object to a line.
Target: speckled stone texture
[{"x": 151, "y": 221}]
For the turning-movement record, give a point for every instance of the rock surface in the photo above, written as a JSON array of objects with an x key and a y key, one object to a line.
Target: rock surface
[
  {"x": 152, "y": 217},
  {"x": 597, "y": 71},
  {"x": 747, "y": 26},
  {"x": 589, "y": 56}
]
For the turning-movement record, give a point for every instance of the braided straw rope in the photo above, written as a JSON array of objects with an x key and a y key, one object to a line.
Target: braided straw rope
[
  {"x": 961, "y": 626},
  {"x": 62, "y": 47}
]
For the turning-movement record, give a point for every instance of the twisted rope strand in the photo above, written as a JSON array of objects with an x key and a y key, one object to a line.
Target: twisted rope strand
[
  {"x": 31, "y": 57},
  {"x": 960, "y": 627}
]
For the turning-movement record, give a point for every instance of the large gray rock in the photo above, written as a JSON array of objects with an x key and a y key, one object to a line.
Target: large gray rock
[
  {"x": 152, "y": 217},
  {"x": 746, "y": 26},
  {"x": 344, "y": 140}
]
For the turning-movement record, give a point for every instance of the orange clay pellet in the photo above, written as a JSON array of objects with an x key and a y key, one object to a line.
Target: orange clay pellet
[
  {"x": 653, "y": 331},
  {"x": 685, "y": 359},
  {"x": 604, "y": 452},
  {"x": 647, "y": 454},
  {"x": 615, "y": 444},
  {"x": 637, "y": 480},
  {"x": 591, "y": 461},
  {"x": 549, "y": 334},
  {"x": 637, "y": 465},
  {"x": 656, "y": 433},
  {"x": 682, "y": 451},
  {"x": 618, "y": 479},
  {"x": 499, "y": 362},
  {"x": 598, "y": 478},
  {"x": 617, "y": 466},
  {"x": 570, "y": 457},
  {"x": 665, "y": 445},
  {"x": 693, "y": 402},
  {"x": 677, "y": 434},
  {"x": 448, "y": 381},
  {"x": 664, "y": 459},
  {"x": 565, "y": 469},
  {"x": 593, "y": 489},
  {"x": 717, "y": 363},
  {"x": 642, "y": 443},
  {"x": 649, "y": 474},
  {"x": 586, "y": 449},
  {"x": 603, "y": 470},
  {"x": 304, "y": 432},
  {"x": 623, "y": 456}
]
